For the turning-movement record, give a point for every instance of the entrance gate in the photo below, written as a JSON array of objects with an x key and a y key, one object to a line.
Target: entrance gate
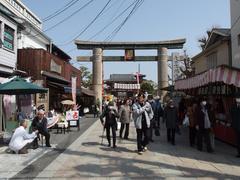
[{"x": 97, "y": 59}]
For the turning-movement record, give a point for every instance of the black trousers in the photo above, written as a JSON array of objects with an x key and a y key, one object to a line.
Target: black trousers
[
  {"x": 171, "y": 135},
  {"x": 150, "y": 131},
  {"x": 47, "y": 136},
  {"x": 203, "y": 134},
  {"x": 157, "y": 122},
  {"x": 25, "y": 148},
  {"x": 113, "y": 127},
  {"x": 142, "y": 138},
  {"x": 192, "y": 135},
  {"x": 126, "y": 126}
]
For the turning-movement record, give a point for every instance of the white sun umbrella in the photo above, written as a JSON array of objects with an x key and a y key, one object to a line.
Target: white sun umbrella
[{"x": 67, "y": 102}]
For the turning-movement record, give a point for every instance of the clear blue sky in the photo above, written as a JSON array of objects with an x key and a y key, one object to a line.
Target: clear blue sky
[{"x": 154, "y": 20}]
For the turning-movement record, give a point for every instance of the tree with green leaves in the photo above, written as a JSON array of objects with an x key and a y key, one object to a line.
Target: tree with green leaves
[
  {"x": 148, "y": 86},
  {"x": 86, "y": 77}
]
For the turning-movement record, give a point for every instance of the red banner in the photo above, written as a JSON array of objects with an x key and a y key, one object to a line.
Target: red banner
[{"x": 74, "y": 88}]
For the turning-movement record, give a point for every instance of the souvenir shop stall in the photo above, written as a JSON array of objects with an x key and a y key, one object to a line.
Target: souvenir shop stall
[{"x": 220, "y": 86}]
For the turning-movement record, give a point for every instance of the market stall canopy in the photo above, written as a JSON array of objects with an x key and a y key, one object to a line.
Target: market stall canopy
[
  {"x": 67, "y": 102},
  {"x": 18, "y": 86},
  {"x": 224, "y": 74}
]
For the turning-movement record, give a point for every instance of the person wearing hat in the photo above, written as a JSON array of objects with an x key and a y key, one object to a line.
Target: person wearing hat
[
  {"x": 21, "y": 140},
  {"x": 40, "y": 123},
  {"x": 110, "y": 113}
]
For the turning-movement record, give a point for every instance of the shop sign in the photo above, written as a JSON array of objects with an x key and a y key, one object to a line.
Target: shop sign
[
  {"x": 54, "y": 67},
  {"x": 42, "y": 99},
  {"x": 129, "y": 55},
  {"x": 72, "y": 115}
]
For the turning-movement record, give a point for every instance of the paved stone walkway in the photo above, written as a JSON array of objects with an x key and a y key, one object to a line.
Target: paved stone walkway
[{"x": 86, "y": 158}]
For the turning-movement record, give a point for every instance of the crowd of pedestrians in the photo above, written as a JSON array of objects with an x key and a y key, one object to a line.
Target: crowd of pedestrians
[{"x": 148, "y": 113}]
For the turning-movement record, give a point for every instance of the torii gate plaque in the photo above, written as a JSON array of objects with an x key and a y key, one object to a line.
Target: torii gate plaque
[{"x": 97, "y": 59}]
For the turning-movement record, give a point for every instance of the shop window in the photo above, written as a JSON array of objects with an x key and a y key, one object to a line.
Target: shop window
[
  {"x": 8, "y": 41},
  {"x": 238, "y": 39}
]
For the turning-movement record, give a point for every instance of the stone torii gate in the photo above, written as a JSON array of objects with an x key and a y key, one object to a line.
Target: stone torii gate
[{"x": 97, "y": 58}]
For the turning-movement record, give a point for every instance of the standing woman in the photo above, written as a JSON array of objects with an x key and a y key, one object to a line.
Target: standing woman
[
  {"x": 142, "y": 114},
  {"x": 124, "y": 114},
  {"x": 110, "y": 114}
]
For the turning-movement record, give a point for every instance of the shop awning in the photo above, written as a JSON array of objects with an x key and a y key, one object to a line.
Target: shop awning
[
  {"x": 55, "y": 77},
  {"x": 224, "y": 74},
  {"x": 67, "y": 89},
  {"x": 87, "y": 91}
]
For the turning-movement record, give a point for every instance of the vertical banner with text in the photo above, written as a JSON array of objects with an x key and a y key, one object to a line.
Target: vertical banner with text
[{"x": 74, "y": 88}]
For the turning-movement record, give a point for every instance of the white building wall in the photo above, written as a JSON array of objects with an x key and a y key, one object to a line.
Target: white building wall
[
  {"x": 8, "y": 58},
  {"x": 25, "y": 41},
  {"x": 20, "y": 10},
  {"x": 235, "y": 32}
]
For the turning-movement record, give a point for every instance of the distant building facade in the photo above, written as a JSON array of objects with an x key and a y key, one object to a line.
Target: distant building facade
[
  {"x": 123, "y": 85},
  {"x": 235, "y": 32},
  {"x": 217, "y": 51}
]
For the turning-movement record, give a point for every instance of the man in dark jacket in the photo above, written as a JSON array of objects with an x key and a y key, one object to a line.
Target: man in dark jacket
[
  {"x": 110, "y": 113},
  {"x": 171, "y": 119},
  {"x": 235, "y": 113},
  {"x": 40, "y": 123},
  {"x": 203, "y": 125}
]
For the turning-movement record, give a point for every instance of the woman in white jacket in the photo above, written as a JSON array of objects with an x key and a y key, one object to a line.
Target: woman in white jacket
[
  {"x": 21, "y": 139},
  {"x": 142, "y": 114}
]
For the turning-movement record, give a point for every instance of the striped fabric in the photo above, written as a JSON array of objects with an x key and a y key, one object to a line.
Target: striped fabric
[{"x": 220, "y": 74}]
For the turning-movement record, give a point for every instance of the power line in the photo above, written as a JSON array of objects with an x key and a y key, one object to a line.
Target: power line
[
  {"x": 113, "y": 20},
  {"x": 61, "y": 10},
  {"x": 118, "y": 28},
  {"x": 71, "y": 15},
  {"x": 75, "y": 34},
  {"x": 65, "y": 19},
  {"x": 137, "y": 5},
  {"x": 86, "y": 28}
]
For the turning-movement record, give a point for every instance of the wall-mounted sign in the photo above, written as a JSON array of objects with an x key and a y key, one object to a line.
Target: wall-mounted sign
[
  {"x": 129, "y": 55},
  {"x": 42, "y": 100},
  {"x": 54, "y": 67}
]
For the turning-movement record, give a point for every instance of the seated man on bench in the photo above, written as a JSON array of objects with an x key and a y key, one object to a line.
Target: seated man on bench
[{"x": 40, "y": 123}]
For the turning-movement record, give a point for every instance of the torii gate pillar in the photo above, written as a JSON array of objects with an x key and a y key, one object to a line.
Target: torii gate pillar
[
  {"x": 97, "y": 75},
  {"x": 162, "y": 71}
]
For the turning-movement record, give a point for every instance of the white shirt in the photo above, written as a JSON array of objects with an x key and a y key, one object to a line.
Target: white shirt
[{"x": 20, "y": 138}]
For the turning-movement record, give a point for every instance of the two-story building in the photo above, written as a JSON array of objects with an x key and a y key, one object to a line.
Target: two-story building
[
  {"x": 31, "y": 36},
  {"x": 26, "y": 50},
  {"x": 217, "y": 51}
]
